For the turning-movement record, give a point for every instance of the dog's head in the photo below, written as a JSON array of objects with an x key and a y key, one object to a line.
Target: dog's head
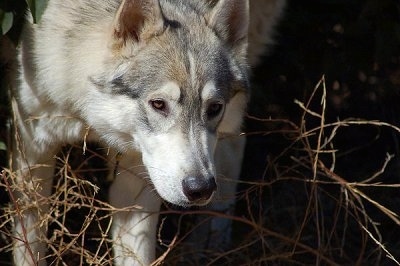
[{"x": 177, "y": 77}]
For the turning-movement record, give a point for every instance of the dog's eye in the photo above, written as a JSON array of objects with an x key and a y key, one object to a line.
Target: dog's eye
[
  {"x": 214, "y": 109},
  {"x": 159, "y": 105}
]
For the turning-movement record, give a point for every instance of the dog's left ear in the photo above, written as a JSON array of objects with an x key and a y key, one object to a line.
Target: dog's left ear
[
  {"x": 230, "y": 19},
  {"x": 137, "y": 20}
]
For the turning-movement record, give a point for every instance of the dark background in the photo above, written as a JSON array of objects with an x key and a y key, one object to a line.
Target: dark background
[{"x": 355, "y": 45}]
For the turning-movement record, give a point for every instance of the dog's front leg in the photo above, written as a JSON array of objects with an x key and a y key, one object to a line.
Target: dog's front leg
[
  {"x": 228, "y": 160},
  {"x": 31, "y": 208},
  {"x": 135, "y": 219},
  {"x": 32, "y": 166},
  {"x": 215, "y": 232}
]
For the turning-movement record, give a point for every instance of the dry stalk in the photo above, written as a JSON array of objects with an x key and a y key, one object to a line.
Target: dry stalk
[{"x": 77, "y": 244}]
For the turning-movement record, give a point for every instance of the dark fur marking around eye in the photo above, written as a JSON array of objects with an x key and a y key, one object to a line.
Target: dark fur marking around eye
[
  {"x": 160, "y": 106},
  {"x": 119, "y": 86},
  {"x": 173, "y": 24},
  {"x": 214, "y": 109}
]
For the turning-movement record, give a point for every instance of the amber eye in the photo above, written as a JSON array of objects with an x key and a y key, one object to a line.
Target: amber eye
[
  {"x": 159, "y": 105},
  {"x": 214, "y": 109}
]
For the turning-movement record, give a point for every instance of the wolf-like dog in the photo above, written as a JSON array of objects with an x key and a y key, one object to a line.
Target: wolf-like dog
[{"x": 162, "y": 83}]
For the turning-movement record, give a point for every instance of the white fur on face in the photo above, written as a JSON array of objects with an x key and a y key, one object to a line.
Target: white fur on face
[
  {"x": 173, "y": 148},
  {"x": 210, "y": 92},
  {"x": 171, "y": 157},
  {"x": 179, "y": 147},
  {"x": 192, "y": 68},
  {"x": 114, "y": 118},
  {"x": 169, "y": 90},
  {"x": 172, "y": 152}
]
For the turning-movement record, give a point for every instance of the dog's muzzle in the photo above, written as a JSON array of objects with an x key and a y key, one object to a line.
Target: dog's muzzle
[{"x": 198, "y": 189}]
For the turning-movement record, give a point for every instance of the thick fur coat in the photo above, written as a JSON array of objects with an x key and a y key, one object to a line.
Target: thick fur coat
[{"x": 163, "y": 83}]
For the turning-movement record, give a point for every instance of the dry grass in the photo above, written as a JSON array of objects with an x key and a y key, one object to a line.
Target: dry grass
[
  {"x": 335, "y": 210},
  {"x": 300, "y": 211}
]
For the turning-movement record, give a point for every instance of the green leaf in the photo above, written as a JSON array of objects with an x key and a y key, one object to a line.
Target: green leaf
[
  {"x": 40, "y": 7},
  {"x": 6, "y": 20},
  {"x": 3, "y": 146},
  {"x": 32, "y": 8},
  {"x": 37, "y": 8}
]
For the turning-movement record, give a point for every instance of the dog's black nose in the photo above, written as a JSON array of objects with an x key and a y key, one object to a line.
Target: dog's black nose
[{"x": 196, "y": 188}]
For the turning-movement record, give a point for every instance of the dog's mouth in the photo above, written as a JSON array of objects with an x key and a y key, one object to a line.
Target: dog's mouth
[
  {"x": 182, "y": 205},
  {"x": 201, "y": 202},
  {"x": 189, "y": 195},
  {"x": 193, "y": 188}
]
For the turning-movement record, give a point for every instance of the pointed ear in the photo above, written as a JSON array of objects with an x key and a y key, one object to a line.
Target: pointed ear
[
  {"x": 136, "y": 19},
  {"x": 230, "y": 19}
]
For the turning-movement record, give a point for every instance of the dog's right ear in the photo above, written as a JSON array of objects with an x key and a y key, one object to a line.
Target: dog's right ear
[
  {"x": 230, "y": 19},
  {"x": 137, "y": 20}
]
